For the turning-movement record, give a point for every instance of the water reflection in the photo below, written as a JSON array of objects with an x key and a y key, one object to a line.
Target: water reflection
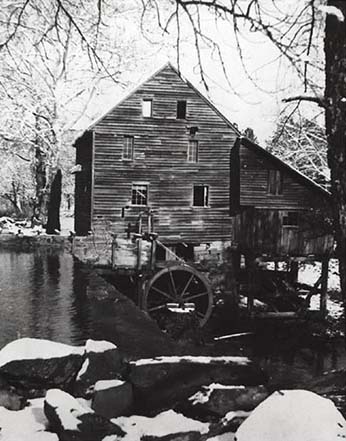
[{"x": 42, "y": 295}]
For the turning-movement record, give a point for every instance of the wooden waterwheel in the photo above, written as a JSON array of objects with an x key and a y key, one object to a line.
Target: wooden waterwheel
[{"x": 178, "y": 290}]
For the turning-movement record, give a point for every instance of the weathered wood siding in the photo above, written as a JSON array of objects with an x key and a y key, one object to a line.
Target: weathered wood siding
[
  {"x": 83, "y": 185},
  {"x": 262, "y": 231},
  {"x": 254, "y": 185},
  {"x": 160, "y": 159}
]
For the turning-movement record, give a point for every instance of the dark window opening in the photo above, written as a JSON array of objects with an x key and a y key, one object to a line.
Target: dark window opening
[
  {"x": 139, "y": 195},
  {"x": 181, "y": 109},
  {"x": 192, "y": 151},
  {"x": 291, "y": 219},
  {"x": 193, "y": 130},
  {"x": 274, "y": 182},
  {"x": 128, "y": 147},
  {"x": 200, "y": 195},
  {"x": 147, "y": 108}
]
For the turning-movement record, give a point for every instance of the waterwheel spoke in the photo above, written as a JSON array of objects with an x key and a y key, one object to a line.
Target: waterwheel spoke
[
  {"x": 187, "y": 285},
  {"x": 195, "y": 296},
  {"x": 173, "y": 284},
  {"x": 168, "y": 296},
  {"x": 156, "y": 308},
  {"x": 200, "y": 315}
]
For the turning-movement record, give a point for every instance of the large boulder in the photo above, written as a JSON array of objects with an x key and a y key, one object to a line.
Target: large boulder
[
  {"x": 112, "y": 398},
  {"x": 36, "y": 365},
  {"x": 103, "y": 361},
  {"x": 294, "y": 415},
  {"x": 73, "y": 421},
  {"x": 161, "y": 383},
  {"x": 168, "y": 426},
  {"x": 219, "y": 399}
]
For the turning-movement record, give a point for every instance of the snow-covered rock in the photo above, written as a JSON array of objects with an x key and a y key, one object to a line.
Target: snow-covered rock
[
  {"x": 162, "y": 425},
  {"x": 157, "y": 381},
  {"x": 294, "y": 415},
  {"x": 29, "y": 423},
  {"x": 112, "y": 398},
  {"x": 73, "y": 421},
  {"x": 102, "y": 362},
  {"x": 219, "y": 399},
  {"x": 40, "y": 364}
]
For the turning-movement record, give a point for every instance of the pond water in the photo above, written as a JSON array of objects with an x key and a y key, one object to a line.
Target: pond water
[{"x": 43, "y": 294}]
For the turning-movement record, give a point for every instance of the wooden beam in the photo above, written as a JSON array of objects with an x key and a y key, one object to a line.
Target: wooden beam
[{"x": 324, "y": 286}]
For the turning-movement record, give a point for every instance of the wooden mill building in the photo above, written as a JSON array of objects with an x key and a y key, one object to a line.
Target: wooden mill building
[
  {"x": 165, "y": 159},
  {"x": 165, "y": 148}
]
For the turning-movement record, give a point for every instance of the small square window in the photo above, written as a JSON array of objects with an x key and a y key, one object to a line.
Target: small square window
[
  {"x": 200, "y": 195},
  {"x": 147, "y": 108},
  {"x": 291, "y": 218},
  {"x": 181, "y": 109},
  {"x": 128, "y": 148},
  {"x": 192, "y": 151},
  {"x": 274, "y": 182},
  {"x": 139, "y": 195}
]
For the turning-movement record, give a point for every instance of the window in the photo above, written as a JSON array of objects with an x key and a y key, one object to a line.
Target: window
[
  {"x": 139, "y": 195},
  {"x": 291, "y": 218},
  {"x": 192, "y": 151},
  {"x": 274, "y": 182},
  {"x": 200, "y": 195},
  {"x": 147, "y": 108},
  {"x": 128, "y": 147},
  {"x": 181, "y": 109}
]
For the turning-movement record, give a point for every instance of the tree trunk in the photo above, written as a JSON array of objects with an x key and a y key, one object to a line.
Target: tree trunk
[
  {"x": 53, "y": 223},
  {"x": 335, "y": 97}
]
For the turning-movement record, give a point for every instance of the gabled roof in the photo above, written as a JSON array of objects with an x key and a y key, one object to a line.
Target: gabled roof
[
  {"x": 134, "y": 90},
  {"x": 281, "y": 164}
]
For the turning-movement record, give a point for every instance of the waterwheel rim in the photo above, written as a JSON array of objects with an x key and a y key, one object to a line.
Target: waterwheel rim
[{"x": 180, "y": 289}]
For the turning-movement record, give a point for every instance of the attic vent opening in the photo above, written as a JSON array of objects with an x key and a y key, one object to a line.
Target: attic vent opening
[
  {"x": 193, "y": 130},
  {"x": 181, "y": 109},
  {"x": 147, "y": 108}
]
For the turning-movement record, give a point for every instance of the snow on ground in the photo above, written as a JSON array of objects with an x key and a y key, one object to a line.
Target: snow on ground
[
  {"x": 310, "y": 272},
  {"x": 243, "y": 361},
  {"x": 165, "y": 423},
  {"x": 67, "y": 408},
  {"x": 203, "y": 396},
  {"x": 35, "y": 348},
  {"x": 294, "y": 415},
  {"x": 28, "y": 423},
  {"x": 108, "y": 384}
]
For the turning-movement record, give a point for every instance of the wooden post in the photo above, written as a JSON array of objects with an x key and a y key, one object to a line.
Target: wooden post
[
  {"x": 324, "y": 286},
  {"x": 294, "y": 268},
  {"x": 232, "y": 263},
  {"x": 251, "y": 279}
]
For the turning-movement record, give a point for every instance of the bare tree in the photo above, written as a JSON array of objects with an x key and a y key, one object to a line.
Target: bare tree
[{"x": 302, "y": 143}]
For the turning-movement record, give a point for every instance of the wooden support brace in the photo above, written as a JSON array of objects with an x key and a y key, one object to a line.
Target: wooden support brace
[{"x": 324, "y": 286}]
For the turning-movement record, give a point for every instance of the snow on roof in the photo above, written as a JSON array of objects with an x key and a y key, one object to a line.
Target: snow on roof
[
  {"x": 297, "y": 415},
  {"x": 242, "y": 361},
  {"x": 67, "y": 408},
  {"x": 99, "y": 346},
  {"x": 165, "y": 423},
  {"x": 107, "y": 384},
  {"x": 35, "y": 348}
]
